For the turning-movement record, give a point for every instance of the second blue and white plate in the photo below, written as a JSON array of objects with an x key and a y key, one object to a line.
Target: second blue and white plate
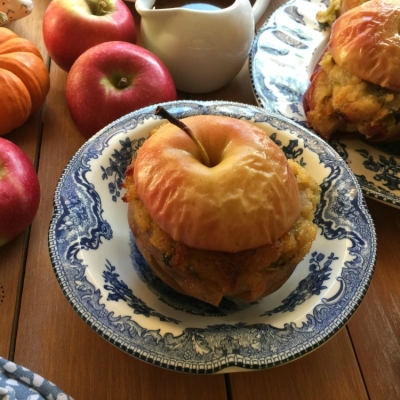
[{"x": 283, "y": 55}]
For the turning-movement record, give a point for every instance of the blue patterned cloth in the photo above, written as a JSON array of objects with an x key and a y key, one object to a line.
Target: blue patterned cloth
[{"x": 19, "y": 383}]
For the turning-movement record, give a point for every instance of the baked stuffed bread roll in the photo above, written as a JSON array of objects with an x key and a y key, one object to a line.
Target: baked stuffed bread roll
[
  {"x": 355, "y": 89},
  {"x": 236, "y": 227}
]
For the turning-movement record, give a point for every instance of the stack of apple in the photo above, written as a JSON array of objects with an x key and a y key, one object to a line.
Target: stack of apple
[
  {"x": 108, "y": 77},
  {"x": 108, "y": 74}
]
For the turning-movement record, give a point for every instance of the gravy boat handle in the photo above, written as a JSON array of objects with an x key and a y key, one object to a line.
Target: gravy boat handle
[{"x": 259, "y": 8}]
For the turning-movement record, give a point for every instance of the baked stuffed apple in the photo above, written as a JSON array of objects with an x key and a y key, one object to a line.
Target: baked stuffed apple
[
  {"x": 234, "y": 226},
  {"x": 355, "y": 88}
]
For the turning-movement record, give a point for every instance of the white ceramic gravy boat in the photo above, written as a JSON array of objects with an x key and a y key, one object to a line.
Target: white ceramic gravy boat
[{"x": 202, "y": 49}]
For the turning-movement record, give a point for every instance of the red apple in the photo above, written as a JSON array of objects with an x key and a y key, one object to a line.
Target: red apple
[
  {"x": 248, "y": 199},
  {"x": 70, "y": 27},
  {"x": 113, "y": 79},
  {"x": 19, "y": 191}
]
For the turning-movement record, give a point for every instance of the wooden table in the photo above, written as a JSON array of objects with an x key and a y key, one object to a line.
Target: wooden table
[{"x": 41, "y": 331}]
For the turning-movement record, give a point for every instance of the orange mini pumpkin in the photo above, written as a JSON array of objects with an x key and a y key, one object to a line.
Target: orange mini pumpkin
[{"x": 24, "y": 80}]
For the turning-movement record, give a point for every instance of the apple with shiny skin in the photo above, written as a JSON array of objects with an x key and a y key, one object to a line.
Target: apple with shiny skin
[
  {"x": 19, "y": 191},
  {"x": 113, "y": 79},
  {"x": 70, "y": 27}
]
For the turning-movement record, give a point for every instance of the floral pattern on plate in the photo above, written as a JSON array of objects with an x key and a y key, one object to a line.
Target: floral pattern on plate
[
  {"x": 111, "y": 287},
  {"x": 284, "y": 53}
]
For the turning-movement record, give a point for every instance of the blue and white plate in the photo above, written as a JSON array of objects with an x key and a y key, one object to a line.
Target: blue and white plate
[
  {"x": 111, "y": 287},
  {"x": 282, "y": 58}
]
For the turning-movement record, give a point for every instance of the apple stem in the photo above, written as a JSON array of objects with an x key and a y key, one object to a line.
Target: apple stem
[
  {"x": 100, "y": 8},
  {"x": 3, "y": 18},
  {"x": 170, "y": 118},
  {"x": 122, "y": 83}
]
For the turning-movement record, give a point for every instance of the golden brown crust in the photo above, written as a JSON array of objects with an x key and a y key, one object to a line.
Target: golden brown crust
[
  {"x": 336, "y": 9},
  {"x": 329, "y": 15},
  {"x": 210, "y": 275},
  {"x": 338, "y": 102}
]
